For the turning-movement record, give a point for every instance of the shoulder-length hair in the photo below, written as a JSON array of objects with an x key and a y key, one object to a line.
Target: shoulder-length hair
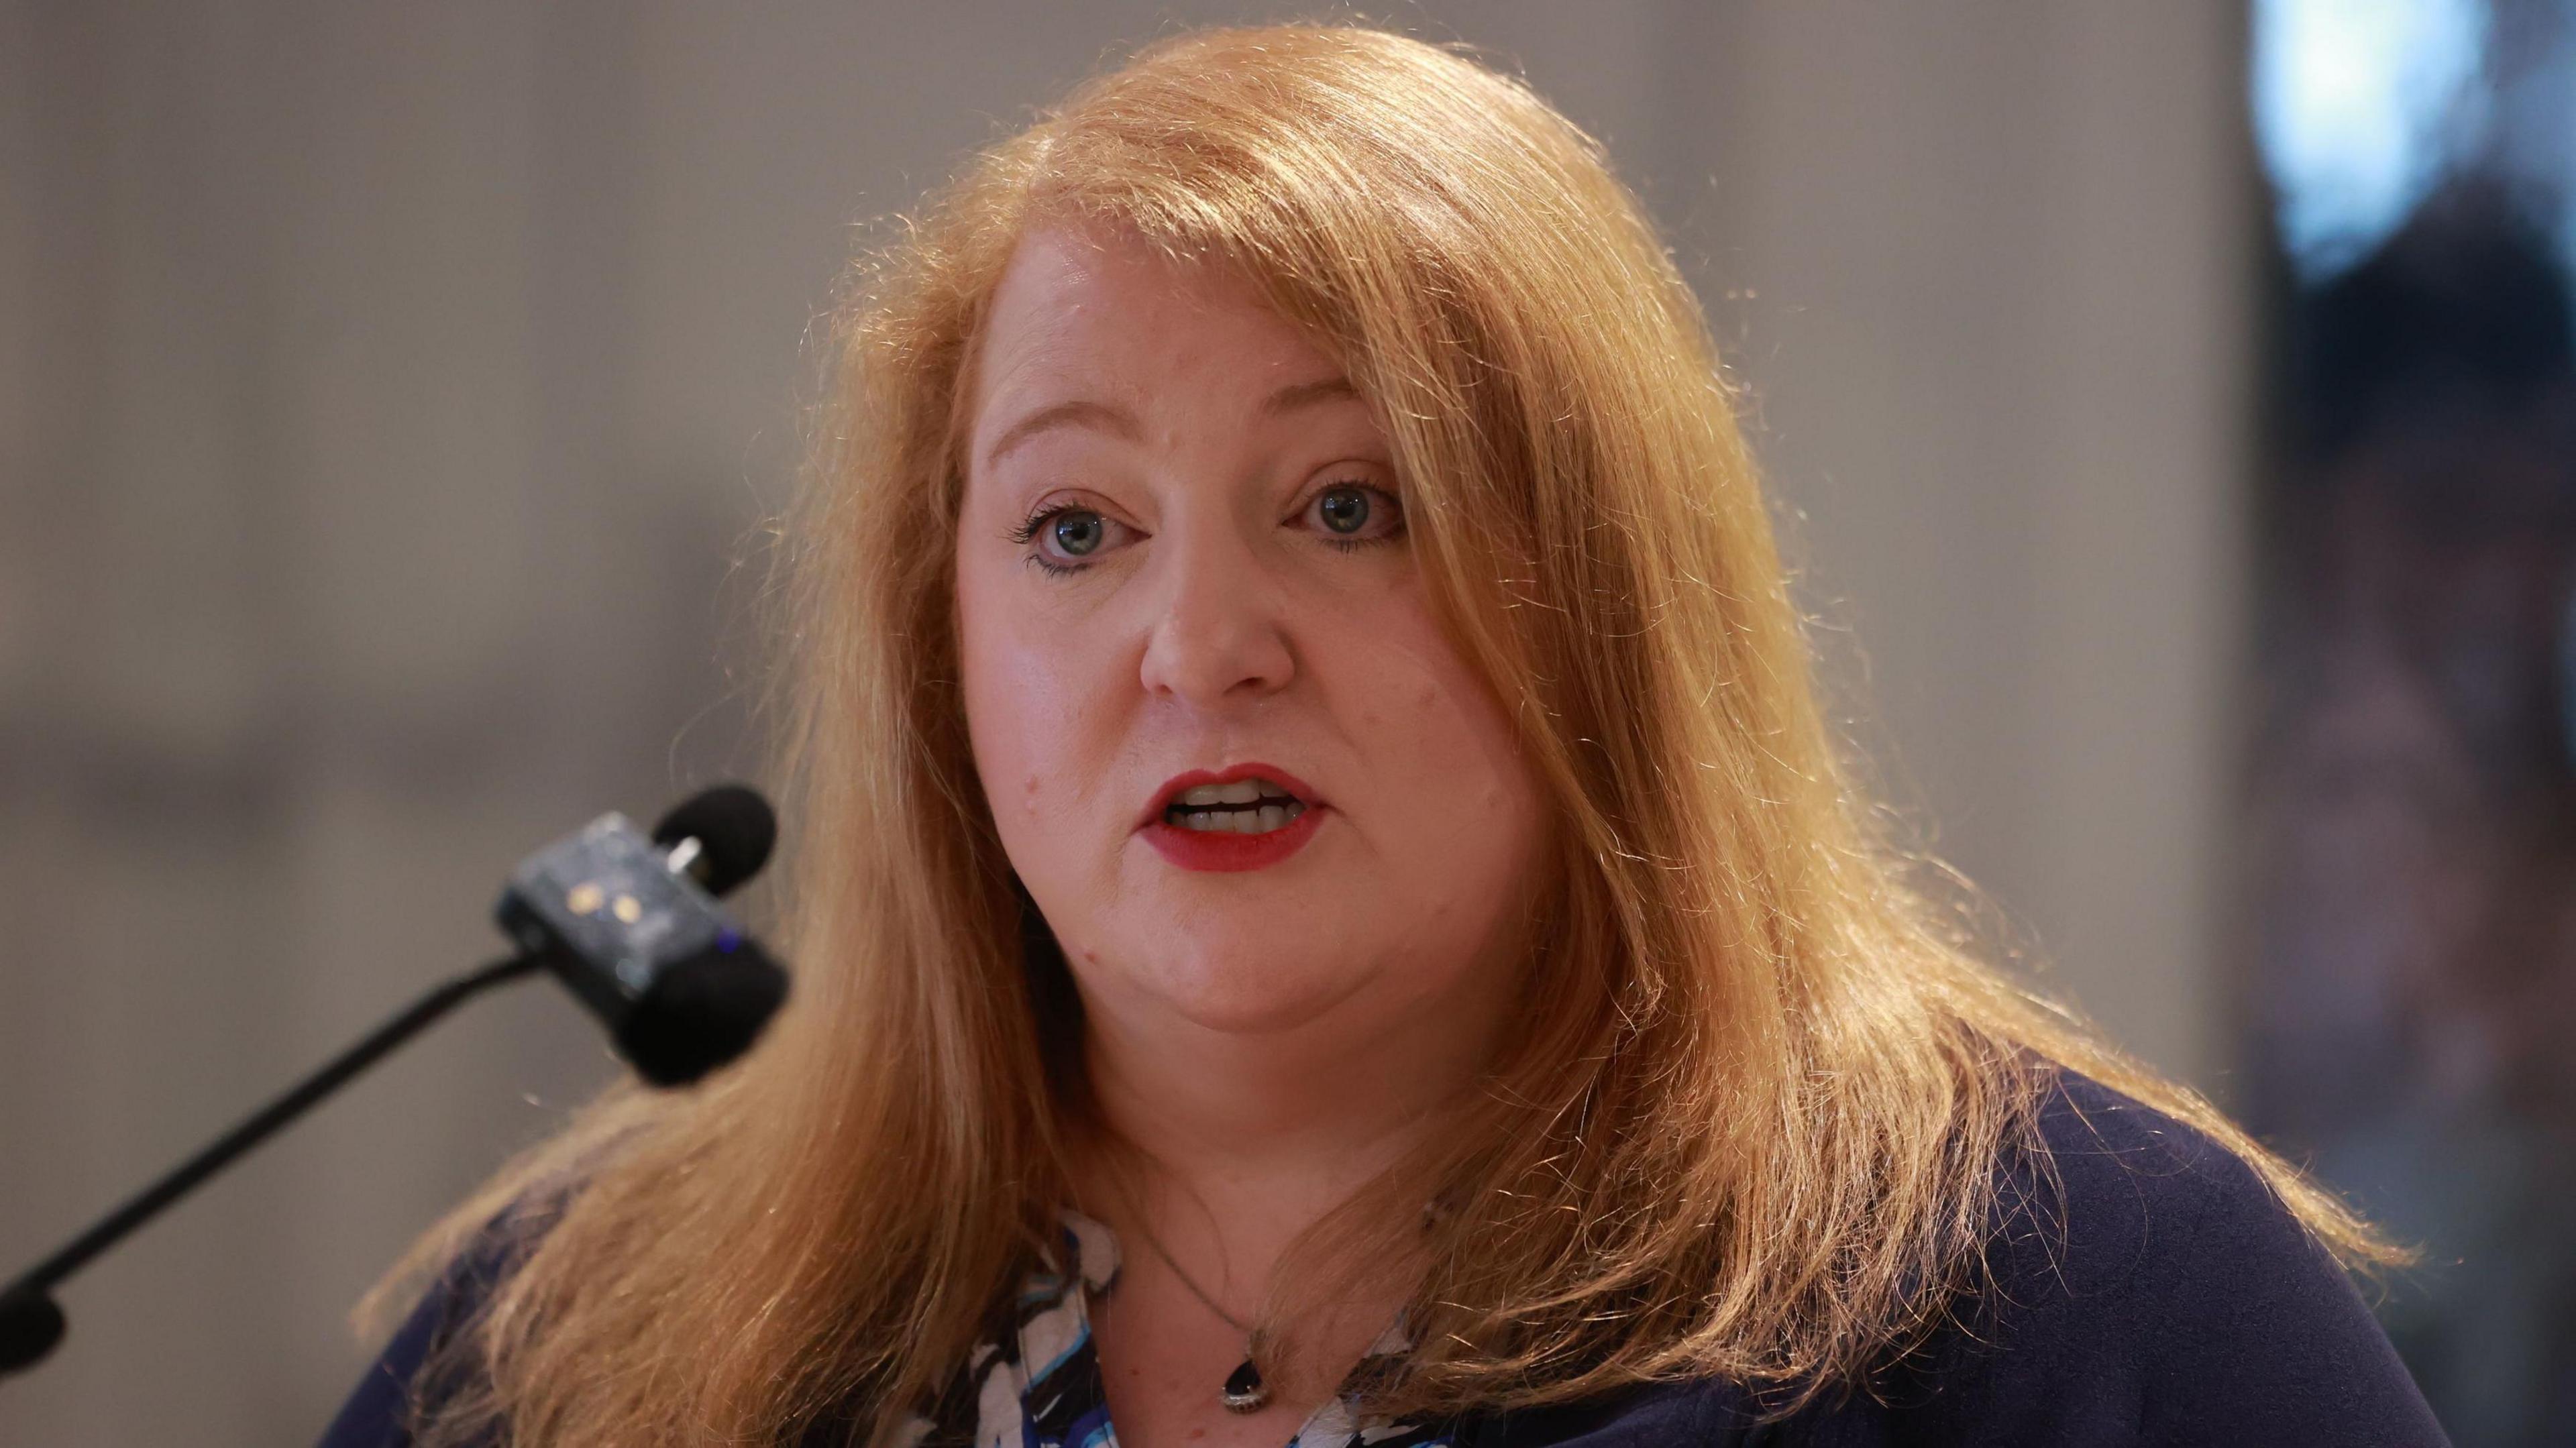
[{"x": 1751, "y": 1123}]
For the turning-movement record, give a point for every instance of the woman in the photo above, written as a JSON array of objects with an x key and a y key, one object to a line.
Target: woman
[{"x": 1326, "y": 909}]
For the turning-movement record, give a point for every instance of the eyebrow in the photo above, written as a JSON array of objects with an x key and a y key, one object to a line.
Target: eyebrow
[
  {"x": 1307, "y": 394},
  {"x": 1080, "y": 412},
  {"x": 1119, "y": 422}
]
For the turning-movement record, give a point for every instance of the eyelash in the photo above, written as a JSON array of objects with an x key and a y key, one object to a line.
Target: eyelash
[{"x": 1027, "y": 529}]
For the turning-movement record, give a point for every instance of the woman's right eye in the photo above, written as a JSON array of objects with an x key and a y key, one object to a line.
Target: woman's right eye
[
  {"x": 1064, "y": 531},
  {"x": 1077, "y": 531}
]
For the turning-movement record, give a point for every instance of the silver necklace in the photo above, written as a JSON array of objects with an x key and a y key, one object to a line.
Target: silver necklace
[{"x": 1244, "y": 1391}]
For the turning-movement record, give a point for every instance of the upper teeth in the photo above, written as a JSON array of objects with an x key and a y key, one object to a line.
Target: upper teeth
[{"x": 1241, "y": 791}]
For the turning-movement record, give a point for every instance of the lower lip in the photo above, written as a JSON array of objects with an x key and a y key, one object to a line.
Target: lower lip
[{"x": 1223, "y": 850}]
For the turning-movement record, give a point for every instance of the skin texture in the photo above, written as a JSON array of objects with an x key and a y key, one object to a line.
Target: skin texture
[{"x": 1269, "y": 1038}]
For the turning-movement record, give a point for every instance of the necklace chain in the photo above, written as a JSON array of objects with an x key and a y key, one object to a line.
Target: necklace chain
[
  {"x": 1244, "y": 1391},
  {"x": 1190, "y": 1282}
]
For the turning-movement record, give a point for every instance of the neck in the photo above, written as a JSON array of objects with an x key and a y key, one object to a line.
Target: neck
[{"x": 1248, "y": 1138}]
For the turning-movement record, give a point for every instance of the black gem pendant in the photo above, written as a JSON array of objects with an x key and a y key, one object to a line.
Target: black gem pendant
[{"x": 1245, "y": 1392}]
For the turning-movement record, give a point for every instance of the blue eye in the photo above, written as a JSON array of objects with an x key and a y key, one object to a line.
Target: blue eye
[
  {"x": 1077, "y": 531},
  {"x": 1346, "y": 510},
  {"x": 1356, "y": 515}
]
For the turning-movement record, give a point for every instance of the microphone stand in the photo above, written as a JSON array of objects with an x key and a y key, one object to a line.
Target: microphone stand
[
  {"x": 631, "y": 925},
  {"x": 30, "y": 1322}
]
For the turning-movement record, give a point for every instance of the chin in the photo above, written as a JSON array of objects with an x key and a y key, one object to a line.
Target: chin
[{"x": 1250, "y": 992}]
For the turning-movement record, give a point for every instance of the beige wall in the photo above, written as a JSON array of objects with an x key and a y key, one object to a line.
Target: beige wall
[{"x": 384, "y": 391}]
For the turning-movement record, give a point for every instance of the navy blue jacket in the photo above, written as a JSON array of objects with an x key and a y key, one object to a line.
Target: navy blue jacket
[{"x": 2178, "y": 1303}]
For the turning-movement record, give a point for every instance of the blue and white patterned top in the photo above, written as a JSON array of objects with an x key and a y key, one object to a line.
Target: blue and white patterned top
[{"x": 1042, "y": 1388}]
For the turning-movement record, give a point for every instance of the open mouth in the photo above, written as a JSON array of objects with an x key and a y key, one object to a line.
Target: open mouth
[
  {"x": 1251, "y": 806},
  {"x": 1247, "y": 816}
]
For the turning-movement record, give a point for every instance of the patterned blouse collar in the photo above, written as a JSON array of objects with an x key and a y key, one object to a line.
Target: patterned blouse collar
[{"x": 1038, "y": 1385}]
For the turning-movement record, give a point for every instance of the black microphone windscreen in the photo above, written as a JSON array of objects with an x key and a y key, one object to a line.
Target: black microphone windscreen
[
  {"x": 702, "y": 1012},
  {"x": 734, "y": 830}
]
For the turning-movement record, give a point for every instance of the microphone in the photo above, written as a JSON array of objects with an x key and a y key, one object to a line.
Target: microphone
[
  {"x": 720, "y": 836},
  {"x": 631, "y": 927},
  {"x": 628, "y": 922}
]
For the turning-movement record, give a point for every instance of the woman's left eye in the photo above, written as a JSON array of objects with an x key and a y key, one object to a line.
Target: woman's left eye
[{"x": 1353, "y": 515}]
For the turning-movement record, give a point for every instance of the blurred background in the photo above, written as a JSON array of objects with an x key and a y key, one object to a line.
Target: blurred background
[{"x": 2170, "y": 405}]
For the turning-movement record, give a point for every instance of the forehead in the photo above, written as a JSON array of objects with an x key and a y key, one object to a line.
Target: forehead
[{"x": 1094, "y": 313}]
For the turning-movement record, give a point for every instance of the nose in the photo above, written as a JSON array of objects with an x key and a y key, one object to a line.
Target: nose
[{"x": 1219, "y": 636}]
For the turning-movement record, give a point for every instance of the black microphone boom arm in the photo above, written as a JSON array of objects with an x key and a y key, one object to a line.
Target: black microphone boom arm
[
  {"x": 30, "y": 1323},
  {"x": 630, "y": 925}
]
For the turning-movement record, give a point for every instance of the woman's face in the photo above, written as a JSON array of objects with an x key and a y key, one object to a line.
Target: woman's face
[{"x": 1182, "y": 553}]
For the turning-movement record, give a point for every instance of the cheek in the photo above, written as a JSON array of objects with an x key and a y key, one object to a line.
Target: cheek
[
  {"x": 1460, "y": 807},
  {"x": 1024, "y": 715}
]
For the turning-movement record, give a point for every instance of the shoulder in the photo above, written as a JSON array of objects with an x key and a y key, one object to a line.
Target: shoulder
[
  {"x": 2121, "y": 1197},
  {"x": 413, "y": 1368},
  {"x": 2143, "y": 1283}
]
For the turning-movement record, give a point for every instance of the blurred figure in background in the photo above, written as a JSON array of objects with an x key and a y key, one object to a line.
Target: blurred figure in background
[{"x": 2414, "y": 997}]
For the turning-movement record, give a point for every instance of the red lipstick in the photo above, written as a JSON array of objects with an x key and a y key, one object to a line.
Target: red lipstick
[{"x": 1227, "y": 850}]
